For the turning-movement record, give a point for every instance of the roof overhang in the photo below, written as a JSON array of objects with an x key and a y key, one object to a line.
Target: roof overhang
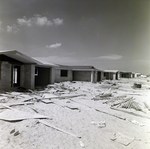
[
  {"x": 111, "y": 71},
  {"x": 83, "y": 69},
  {"x": 19, "y": 56}
]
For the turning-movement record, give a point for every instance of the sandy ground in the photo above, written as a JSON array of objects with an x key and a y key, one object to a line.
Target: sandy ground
[{"x": 80, "y": 115}]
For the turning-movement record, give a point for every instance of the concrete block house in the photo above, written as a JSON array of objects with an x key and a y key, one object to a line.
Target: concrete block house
[
  {"x": 125, "y": 74},
  {"x": 63, "y": 73},
  {"x": 84, "y": 73},
  {"x": 77, "y": 73},
  {"x": 111, "y": 74},
  {"x": 20, "y": 70}
]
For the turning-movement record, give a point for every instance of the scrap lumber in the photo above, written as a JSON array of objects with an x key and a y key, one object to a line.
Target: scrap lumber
[
  {"x": 101, "y": 97},
  {"x": 15, "y": 104},
  {"x": 133, "y": 105},
  {"x": 115, "y": 104},
  {"x": 13, "y": 115},
  {"x": 65, "y": 96},
  {"x": 19, "y": 104},
  {"x": 122, "y": 139},
  {"x": 71, "y": 106},
  {"x": 47, "y": 101},
  {"x": 58, "y": 129},
  {"x": 100, "y": 110},
  {"x": 132, "y": 113},
  {"x": 147, "y": 106},
  {"x": 67, "y": 105}
]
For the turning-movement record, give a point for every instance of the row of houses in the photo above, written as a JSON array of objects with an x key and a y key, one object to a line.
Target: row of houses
[{"x": 20, "y": 70}]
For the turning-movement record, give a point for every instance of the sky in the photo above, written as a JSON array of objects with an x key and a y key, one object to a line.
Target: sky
[{"x": 107, "y": 34}]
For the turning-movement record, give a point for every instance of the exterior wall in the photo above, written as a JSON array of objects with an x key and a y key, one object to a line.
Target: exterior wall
[
  {"x": 95, "y": 76},
  {"x": 52, "y": 75},
  {"x": 29, "y": 76},
  {"x": 58, "y": 78},
  {"x": 5, "y": 76},
  {"x": 82, "y": 76}
]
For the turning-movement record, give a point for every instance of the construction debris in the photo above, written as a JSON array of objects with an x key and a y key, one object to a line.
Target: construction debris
[
  {"x": 81, "y": 144},
  {"x": 132, "y": 104},
  {"x": 70, "y": 108},
  {"x": 101, "y": 111},
  {"x": 102, "y": 96},
  {"x": 137, "y": 123},
  {"x": 58, "y": 129},
  {"x": 100, "y": 124},
  {"x": 137, "y": 85},
  {"x": 17, "y": 115},
  {"x": 121, "y": 138}
]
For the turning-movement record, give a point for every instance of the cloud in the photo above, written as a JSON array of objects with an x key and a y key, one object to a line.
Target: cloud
[
  {"x": 24, "y": 21},
  {"x": 39, "y": 20},
  {"x": 56, "y": 45},
  {"x": 110, "y": 57},
  {"x": 12, "y": 28},
  {"x": 58, "y": 21}
]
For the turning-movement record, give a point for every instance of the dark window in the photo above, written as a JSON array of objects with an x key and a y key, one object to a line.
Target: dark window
[{"x": 64, "y": 73}]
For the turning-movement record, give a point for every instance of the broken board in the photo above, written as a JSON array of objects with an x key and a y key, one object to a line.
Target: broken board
[
  {"x": 17, "y": 115},
  {"x": 47, "y": 101},
  {"x": 71, "y": 106},
  {"x": 121, "y": 138},
  {"x": 58, "y": 129}
]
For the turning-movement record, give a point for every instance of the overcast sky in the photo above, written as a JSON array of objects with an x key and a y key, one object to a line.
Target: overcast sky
[{"x": 109, "y": 34}]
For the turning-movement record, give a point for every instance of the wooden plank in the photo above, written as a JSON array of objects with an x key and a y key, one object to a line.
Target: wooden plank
[
  {"x": 18, "y": 115},
  {"x": 58, "y": 129},
  {"x": 47, "y": 101},
  {"x": 132, "y": 113},
  {"x": 14, "y": 104},
  {"x": 100, "y": 110}
]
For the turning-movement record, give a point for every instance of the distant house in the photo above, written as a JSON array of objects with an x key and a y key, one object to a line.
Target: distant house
[
  {"x": 76, "y": 73},
  {"x": 20, "y": 70},
  {"x": 125, "y": 74},
  {"x": 84, "y": 73},
  {"x": 100, "y": 75},
  {"x": 135, "y": 75},
  {"x": 63, "y": 73},
  {"x": 111, "y": 74}
]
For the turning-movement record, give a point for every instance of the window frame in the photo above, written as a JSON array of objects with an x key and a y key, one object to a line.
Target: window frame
[{"x": 63, "y": 73}]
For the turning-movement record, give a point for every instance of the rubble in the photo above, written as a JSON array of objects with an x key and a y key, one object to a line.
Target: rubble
[{"x": 67, "y": 107}]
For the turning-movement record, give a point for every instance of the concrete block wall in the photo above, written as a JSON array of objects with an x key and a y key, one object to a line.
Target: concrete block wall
[
  {"x": 83, "y": 76},
  {"x": 95, "y": 76},
  {"x": 29, "y": 76},
  {"x": 52, "y": 75},
  {"x": 5, "y": 76},
  {"x": 58, "y": 78}
]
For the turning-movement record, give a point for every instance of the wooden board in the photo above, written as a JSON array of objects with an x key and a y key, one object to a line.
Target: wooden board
[{"x": 12, "y": 115}]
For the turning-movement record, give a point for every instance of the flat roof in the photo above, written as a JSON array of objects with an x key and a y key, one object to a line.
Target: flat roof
[
  {"x": 113, "y": 71},
  {"x": 18, "y": 56},
  {"x": 25, "y": 59}
]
